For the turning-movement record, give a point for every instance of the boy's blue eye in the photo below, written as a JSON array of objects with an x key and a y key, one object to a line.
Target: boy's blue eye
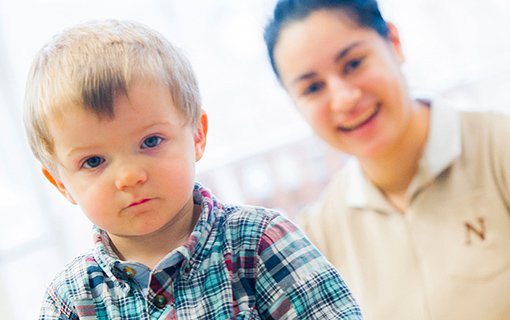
[
  {"x": 151, "y": 142},
  {"x": 92, "y": 162}
]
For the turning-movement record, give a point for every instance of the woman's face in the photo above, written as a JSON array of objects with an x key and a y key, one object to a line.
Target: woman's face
[{"x": 346, "y": 82}]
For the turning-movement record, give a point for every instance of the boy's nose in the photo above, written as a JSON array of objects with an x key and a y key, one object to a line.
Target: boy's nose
[
  {"x": 129, "y": 175},
  {"x": 343, "y": 95}
]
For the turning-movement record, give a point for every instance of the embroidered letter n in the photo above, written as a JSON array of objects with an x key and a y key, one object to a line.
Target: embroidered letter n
[{"x": 475, "y": 229}]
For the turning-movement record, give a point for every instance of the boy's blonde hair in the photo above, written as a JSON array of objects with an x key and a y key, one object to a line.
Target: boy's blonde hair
[{"x": 87, "y": 65}]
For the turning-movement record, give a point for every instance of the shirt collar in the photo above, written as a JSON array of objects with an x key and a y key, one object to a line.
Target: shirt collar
[
  {"x": 443, "y": 146},
  {"x": 361, "y": 192},
  {"x": 198, "y": 243},
  {"x": 444, "y": 141}
]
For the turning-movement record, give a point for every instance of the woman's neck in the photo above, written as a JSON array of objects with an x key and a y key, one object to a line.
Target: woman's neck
[{"x": 393, "y": 171}]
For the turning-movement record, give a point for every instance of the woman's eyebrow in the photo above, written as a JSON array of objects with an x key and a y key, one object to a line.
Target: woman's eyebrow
[
  {"x": 304, "y": 76},
  {"x": 346, "y": 50}
]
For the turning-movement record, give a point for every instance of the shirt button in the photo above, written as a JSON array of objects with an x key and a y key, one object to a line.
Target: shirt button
[
  {"x": 160, "y": 301},
  {"x": 129, "y": 272}
]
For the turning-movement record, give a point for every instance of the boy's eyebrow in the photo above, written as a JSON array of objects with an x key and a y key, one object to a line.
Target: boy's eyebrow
[
  {"x": 155, "y": 124},
  {"x": 340, "y": 55},
  {"x": 159, "y": 123},
  {"x": 72, "y": 151}
]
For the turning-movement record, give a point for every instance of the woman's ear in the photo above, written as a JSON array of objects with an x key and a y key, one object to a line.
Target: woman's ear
[
  {"x": 200, "y": 136},
  {"x": 58, "y": 184},
  {"x": 394, "y": 40}
]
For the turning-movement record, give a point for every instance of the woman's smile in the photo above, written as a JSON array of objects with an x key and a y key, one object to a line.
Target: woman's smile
[{"x": 360, "y": 120}]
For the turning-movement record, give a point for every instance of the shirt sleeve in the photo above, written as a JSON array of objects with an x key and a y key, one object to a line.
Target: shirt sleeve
[
  {"x": 53, "y": 308},
  {"x": 295, "y": 281}
]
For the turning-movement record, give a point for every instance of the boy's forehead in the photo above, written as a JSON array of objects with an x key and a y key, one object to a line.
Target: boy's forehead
[{"x": 143, "y": 101}]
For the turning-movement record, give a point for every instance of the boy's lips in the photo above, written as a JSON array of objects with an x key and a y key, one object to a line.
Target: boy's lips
[
  {"x": 136, "y": 203},
  {"x": 360, "y": 120}
]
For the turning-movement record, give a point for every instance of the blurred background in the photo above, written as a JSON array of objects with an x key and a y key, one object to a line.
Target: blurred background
[{"x": 259, "y": 150}]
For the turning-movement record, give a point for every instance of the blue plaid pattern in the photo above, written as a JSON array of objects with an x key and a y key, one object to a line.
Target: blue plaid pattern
[{"x": 239, "y": 263}]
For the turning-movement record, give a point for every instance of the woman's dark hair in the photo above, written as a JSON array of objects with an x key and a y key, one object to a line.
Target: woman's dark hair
[{"x": 364, "y": 13}]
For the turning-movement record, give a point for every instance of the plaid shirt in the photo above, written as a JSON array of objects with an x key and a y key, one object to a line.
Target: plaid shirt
[{"x": 239, "y": 263}]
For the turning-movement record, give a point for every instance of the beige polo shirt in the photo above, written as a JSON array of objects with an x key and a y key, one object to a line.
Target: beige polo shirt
[{"x": 448, "y": 256}]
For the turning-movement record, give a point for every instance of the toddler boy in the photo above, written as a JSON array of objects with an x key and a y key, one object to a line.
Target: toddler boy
[{"x": 113, "y": 114}]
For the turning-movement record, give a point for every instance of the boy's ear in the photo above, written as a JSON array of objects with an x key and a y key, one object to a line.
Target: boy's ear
[
  {"x": 58, "y": 184},
  {"x": 200, "y": 136},
  {"x": 394, "y": 40}
]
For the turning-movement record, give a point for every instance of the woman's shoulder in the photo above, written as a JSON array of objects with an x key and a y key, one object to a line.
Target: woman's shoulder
[
  {"x": 477, "y": 116},
  {"x": 487, "y": 129}
]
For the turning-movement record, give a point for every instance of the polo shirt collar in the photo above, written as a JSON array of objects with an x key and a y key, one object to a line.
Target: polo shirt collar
[{"x": 443, "y": 146}]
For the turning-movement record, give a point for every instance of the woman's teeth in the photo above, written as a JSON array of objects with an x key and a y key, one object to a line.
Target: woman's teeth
[{"x": 360, "y": 120}]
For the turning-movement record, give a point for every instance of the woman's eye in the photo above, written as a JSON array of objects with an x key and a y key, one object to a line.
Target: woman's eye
[
  {"x": 352, "y": 65},
  {"x": 92, "y": 162},
  {"x": 151, "y": 142},
  {"x": 313, "y": 88}
]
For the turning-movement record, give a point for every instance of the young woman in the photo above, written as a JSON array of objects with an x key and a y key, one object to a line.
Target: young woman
[{"x": 418, "y": 221}]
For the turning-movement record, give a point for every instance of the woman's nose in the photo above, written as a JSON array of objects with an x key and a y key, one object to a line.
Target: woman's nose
[{"x": 343, "y": 95}]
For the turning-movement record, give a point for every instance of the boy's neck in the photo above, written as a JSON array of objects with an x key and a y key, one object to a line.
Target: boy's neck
[{"x": 151, "y": 249}]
